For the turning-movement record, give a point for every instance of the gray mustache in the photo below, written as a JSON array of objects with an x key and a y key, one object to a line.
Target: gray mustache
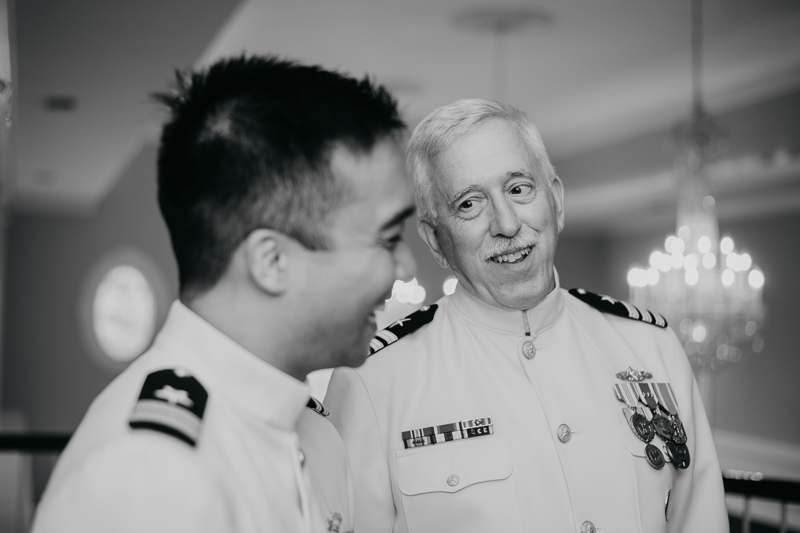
[{"x": 506, "y": 246}]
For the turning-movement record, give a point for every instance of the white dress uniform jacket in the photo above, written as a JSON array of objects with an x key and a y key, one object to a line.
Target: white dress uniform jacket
[
  {"x": 248, "y": 470},
  {"x": 470, "y": 362}
]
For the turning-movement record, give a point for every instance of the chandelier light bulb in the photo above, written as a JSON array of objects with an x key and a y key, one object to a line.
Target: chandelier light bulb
[
  {"x": 652, "y": 276},
  {"x": 692, "y": 277},
  {"x": 732, "y": 261},
  {"x": 676, "y": 260},
  {"x": 726, "y": 245},
  {"x": 756, "y": 279},
  {"x": 678, "y": 246},
  {"x": 668, "y": 243},
  {"x": 691, "y": 262},
  {"x": 727, "y": 277},
  {"x": 709, "y": 260},
  {"x": 655, "y": 259},
  {"x": 703, "y": 244},
  {"x": 745, "y": 262},
  {"x": 685, "y": 233}
]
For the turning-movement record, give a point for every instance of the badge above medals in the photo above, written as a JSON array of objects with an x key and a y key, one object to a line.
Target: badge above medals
[
  {"x": 466, "y": 429},
  {"x": 652, "y": 413}
]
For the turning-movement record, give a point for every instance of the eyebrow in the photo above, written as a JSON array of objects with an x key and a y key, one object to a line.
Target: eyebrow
[
  {"x": 458, "y": 194},
  {"x": 468, "y": 189},
  {"x": 399, "y": 217}
]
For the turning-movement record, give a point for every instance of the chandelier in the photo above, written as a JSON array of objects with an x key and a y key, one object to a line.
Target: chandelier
[{"x": 709, "y": 292}]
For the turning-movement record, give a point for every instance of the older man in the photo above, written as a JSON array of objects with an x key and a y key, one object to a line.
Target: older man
[
  {"x": 284, "y": 191},
  {"x": 514, "y": 405}
]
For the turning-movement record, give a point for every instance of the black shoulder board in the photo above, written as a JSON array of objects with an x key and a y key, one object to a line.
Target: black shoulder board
[
  {"x": 401, "y": 328},
  {"x": 316, "y": 406},
  {"x": 607, "y": 304},
  {"x": 172, "y": 402}
]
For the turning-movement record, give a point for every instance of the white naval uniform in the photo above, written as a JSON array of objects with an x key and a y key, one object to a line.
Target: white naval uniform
[
  {"x": 243, "y": 475},
  {"x": 470, "y": 362}
]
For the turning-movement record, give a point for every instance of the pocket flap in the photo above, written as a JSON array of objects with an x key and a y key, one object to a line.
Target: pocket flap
[{"x": 453, "y": 466}]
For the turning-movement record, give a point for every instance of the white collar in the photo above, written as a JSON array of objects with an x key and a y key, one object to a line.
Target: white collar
[{"x": 229, "y": 370}]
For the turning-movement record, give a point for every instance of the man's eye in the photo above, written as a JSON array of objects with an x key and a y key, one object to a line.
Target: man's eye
[
  {"x": 522, "y": 188},
  {"x": 466, "y": 205},
  {"x": 392, "y": 242}
]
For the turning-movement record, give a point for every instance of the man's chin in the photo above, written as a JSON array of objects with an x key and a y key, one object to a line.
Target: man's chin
[{"x": 520, "y": 298}]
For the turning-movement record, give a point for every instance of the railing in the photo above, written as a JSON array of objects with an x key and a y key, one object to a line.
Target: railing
[
  {"x": 747, "y": 484},
  {"x": 33, "y": 442},
  {"x": 754, "y": 485}
]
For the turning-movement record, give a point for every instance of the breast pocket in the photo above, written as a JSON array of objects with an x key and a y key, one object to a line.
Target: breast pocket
[{"x": 463, "y": 486}]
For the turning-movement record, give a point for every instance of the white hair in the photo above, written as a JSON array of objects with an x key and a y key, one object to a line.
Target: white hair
[{"x": 443, "y": 126}]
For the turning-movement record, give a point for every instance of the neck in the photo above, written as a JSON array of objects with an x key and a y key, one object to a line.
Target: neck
[{"x": 259, "y": 327}]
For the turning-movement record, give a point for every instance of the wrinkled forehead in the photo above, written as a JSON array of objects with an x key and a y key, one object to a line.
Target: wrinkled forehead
[{"x": 494, "y": 146}]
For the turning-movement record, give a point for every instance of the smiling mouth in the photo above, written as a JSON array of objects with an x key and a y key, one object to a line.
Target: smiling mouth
[{"x": 511, "y": 258}]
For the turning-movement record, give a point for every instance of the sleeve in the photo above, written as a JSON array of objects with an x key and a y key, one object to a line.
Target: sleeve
[
  {"x": 353, "y": 415},
  {"x": 698, "y": 498},
  {"x": 129, "y": 491}
]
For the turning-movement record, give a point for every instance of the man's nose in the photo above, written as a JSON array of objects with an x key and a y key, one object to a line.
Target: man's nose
[
  {"x": 405, "y": 265},
  {"x": 504, "y": 221}
]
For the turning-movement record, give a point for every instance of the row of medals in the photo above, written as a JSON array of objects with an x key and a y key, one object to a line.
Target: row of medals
[{"x": 651, "y": 412}]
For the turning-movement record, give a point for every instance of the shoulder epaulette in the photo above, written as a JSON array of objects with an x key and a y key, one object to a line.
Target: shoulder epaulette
[
  {"x": 401, "y": 328},
  {"x": 172, "y": 402},
  {"x": 316, "y": 406},
  {"x": 610, "y": 305}
]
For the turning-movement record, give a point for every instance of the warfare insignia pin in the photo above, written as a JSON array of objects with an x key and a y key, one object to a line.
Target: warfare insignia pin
[{"x": 634, "y": 375}]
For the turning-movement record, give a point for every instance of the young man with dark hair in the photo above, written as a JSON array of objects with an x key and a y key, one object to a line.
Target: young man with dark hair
[{"x": 284, "y": 191}]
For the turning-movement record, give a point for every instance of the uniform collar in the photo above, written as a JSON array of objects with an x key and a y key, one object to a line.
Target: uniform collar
[
  {"x": 229, "y": 370},
  {"x": 510, "y": 321}
]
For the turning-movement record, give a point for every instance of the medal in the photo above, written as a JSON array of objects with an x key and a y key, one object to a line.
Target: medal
[
  {"x": 678, "y": 431},
  {"x": 663, "y": 426},
  {"x": 679, "y": 454},
  {"x": 654, "y": 457},
  {"x": 642, "y": 427}
]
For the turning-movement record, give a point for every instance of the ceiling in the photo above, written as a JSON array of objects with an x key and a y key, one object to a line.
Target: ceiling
[{"x": 601, "y": 74}]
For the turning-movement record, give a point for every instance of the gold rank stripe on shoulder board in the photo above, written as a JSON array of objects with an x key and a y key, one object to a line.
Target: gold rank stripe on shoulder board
[
  {"x": 401, "y": 328},
  {"x": 607, "y": 304}
]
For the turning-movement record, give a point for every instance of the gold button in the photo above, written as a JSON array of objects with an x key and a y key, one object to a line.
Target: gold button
[
  {"x": 528, "y": 350},
  {"x": 453, "y": 480},
  {"x": 588, "y": 527},
  {"x": 564, "y": 433}
]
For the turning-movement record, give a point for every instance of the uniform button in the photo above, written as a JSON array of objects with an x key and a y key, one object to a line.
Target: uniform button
[
  {"x": 564, "y": 433},
  {"x": 302, "y": 458},
  {"x": 588, "y": 527},
  {"x": 528, "y": 350},
  {"x": 453, "y": 480}
]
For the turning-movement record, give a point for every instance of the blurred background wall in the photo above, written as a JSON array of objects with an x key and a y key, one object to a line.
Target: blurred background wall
[{"x": 606, "y": 81}]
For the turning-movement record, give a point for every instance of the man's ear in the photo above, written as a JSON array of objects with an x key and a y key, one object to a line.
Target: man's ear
[
  {"x": 267, "y": 259},
  {"x": 558, "y": 194},
  {"x": 428, "y": 234}
]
